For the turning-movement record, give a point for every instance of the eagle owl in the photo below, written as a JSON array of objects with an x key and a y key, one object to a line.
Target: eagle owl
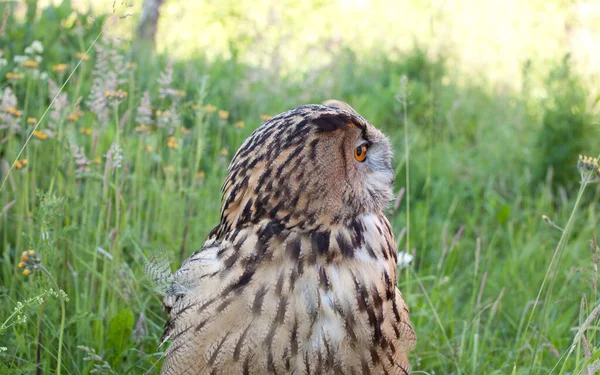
[{"x": 299, "y": 276}]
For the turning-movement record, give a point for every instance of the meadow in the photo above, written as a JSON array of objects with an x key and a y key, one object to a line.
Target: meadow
[{"x": 112, "y": 159}]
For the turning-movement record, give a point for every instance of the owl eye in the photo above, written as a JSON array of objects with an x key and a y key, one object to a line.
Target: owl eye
[{"x": 360, "y": 153}]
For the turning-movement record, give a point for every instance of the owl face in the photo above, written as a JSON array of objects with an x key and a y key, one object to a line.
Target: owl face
[{"x": 314, "y": 166}]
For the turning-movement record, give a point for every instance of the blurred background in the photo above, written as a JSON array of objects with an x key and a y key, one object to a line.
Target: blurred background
[{"x": 118, "y": 120}]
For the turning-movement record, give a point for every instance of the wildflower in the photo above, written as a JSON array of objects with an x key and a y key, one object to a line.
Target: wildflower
[
  {"x": 20, "y": 59},
  {"x": 119, "y": 94},
  {"x": 11, "y": 75},
  {"x": 37, "y": 47},
  {"x": 158, "y": 112},
  {"x": 24, "y": 162},
  {"x": 588, "y": 165},
  {"x": 114, "y": 155},
  {"x": 148, "y": 148},
  {"x": 404, "y": 259},
  {"x": 200, "y": 175},
  {"x": 109, "y": 72},
  {"x": 85, "y": 131},
  {"x": 239, "y": 125},
  {"x": 265, "y": 117},
  {"x": 165, "y": 80},
  {"x": 30, "y": 261},
  {"x": 59, "y": 68},
  {"x": 18, "y": 164},
  {"x": 223, "y": 115},
  {"x": 40, "y": 134},
  {"x": 224, "y": 152},
  {"x": 13, "y": 111},
  {"x": 169, "y": 120},
  {"x": 82, "y": 56},
  {"x": 172, "y": 143},
  {"x": 184, "y": 130},
  {"x": 209, "y": 108},
  {"x": 81, "y": 161},
  {"x": 31, "y": 120},
  {"x": 30, "y": 64},
  {"x": 76, "y": 115},
  {"x": 143, "y": 129},
  {"x": 144, "y": 111},
  {"x": 97, "y": 160}
]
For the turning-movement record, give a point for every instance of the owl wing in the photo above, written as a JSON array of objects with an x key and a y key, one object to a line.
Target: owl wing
[{"x": 194, "y": 285}]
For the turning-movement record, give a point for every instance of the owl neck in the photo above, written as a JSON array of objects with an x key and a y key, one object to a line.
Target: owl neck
[{"x": 366, "y": 236}]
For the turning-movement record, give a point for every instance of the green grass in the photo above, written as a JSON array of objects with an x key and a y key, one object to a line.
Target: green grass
[{"x": 493, "y": 289}]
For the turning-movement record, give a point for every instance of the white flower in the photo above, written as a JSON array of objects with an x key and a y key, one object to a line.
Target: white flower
[
  {"x": 404, "y": 259},
  {"x": 20, "y": 59},
  {"x": 3, "y": 62},
  {"x": 38, "y": 58},
  {"x": 44, "y": 76},
  {"x": 37, "y": 46},
  {"x": 28, "y": 50}
]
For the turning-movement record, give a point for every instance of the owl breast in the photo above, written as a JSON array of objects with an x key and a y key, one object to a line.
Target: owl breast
[{"x": 284, "y": 302}]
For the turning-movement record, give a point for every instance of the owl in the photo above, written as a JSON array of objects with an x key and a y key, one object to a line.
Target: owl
[{"x": 299, "y": 275}]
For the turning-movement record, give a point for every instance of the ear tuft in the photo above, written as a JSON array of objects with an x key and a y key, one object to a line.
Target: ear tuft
[
  {"x": 332, "y": 121},
  {"x": 341, "y": 105}
]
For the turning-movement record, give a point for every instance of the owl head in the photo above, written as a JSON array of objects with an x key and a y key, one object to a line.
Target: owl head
[{"x": 310, "y": 167}]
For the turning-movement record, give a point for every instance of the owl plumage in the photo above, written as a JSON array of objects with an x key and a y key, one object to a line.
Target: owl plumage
[{"x": 299, "y": 276}]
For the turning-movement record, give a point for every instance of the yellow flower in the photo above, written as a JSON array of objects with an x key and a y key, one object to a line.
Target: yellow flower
[
  {"x": 148, "y": 148},
  {"x": 31, "y": 64},
  {"x": 224, "y": 152},
  {"x": 158, "y": 112},
  {"x": 11, "y": 75},
  {"x": 26, "y": 272},
  {"x": 31, "y": 120},
  {"x": 18, "y": 164},
  {"x": 82, "y": 56},
  {"x": 97, "y": 160},
  {"x": 143, "y": 129},
  {"x": 195, "y": 106},
  {"x": 200, "y": 175},
  {"x": 265, "y": 117},
  {"x": 184, "y": 130},
  {"x": 59, "y": 68},
  {"x": 172, "y": 143},
  {"x": 21, "y": 265},
  {"x": 210, "y": 108},
  {"x": 86, "y": 131},
  {"x": 13, "y": 111},
  {"x": 223, "y": 115},
  {"x": 73, "y": 116},
  {"x": 119, "y": 94},
  {"x": 40, "y": 134},
  {"x": 239, "y": 125},
  {"x": 24, "y": 162}
]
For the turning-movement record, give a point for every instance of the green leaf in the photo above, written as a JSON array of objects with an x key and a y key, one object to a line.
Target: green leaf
[
  {"x": 503, "y": 215},
  {"x": 119, "y": 333}
]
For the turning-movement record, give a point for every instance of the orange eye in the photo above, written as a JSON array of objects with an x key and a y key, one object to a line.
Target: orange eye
[{"x": 360, "y": 153}]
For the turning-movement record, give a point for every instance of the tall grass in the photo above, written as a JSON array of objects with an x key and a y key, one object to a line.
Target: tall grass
[{"x": 111, "y": 159}]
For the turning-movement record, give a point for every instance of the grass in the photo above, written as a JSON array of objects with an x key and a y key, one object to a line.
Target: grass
[{"x": 495, "y": 287}]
